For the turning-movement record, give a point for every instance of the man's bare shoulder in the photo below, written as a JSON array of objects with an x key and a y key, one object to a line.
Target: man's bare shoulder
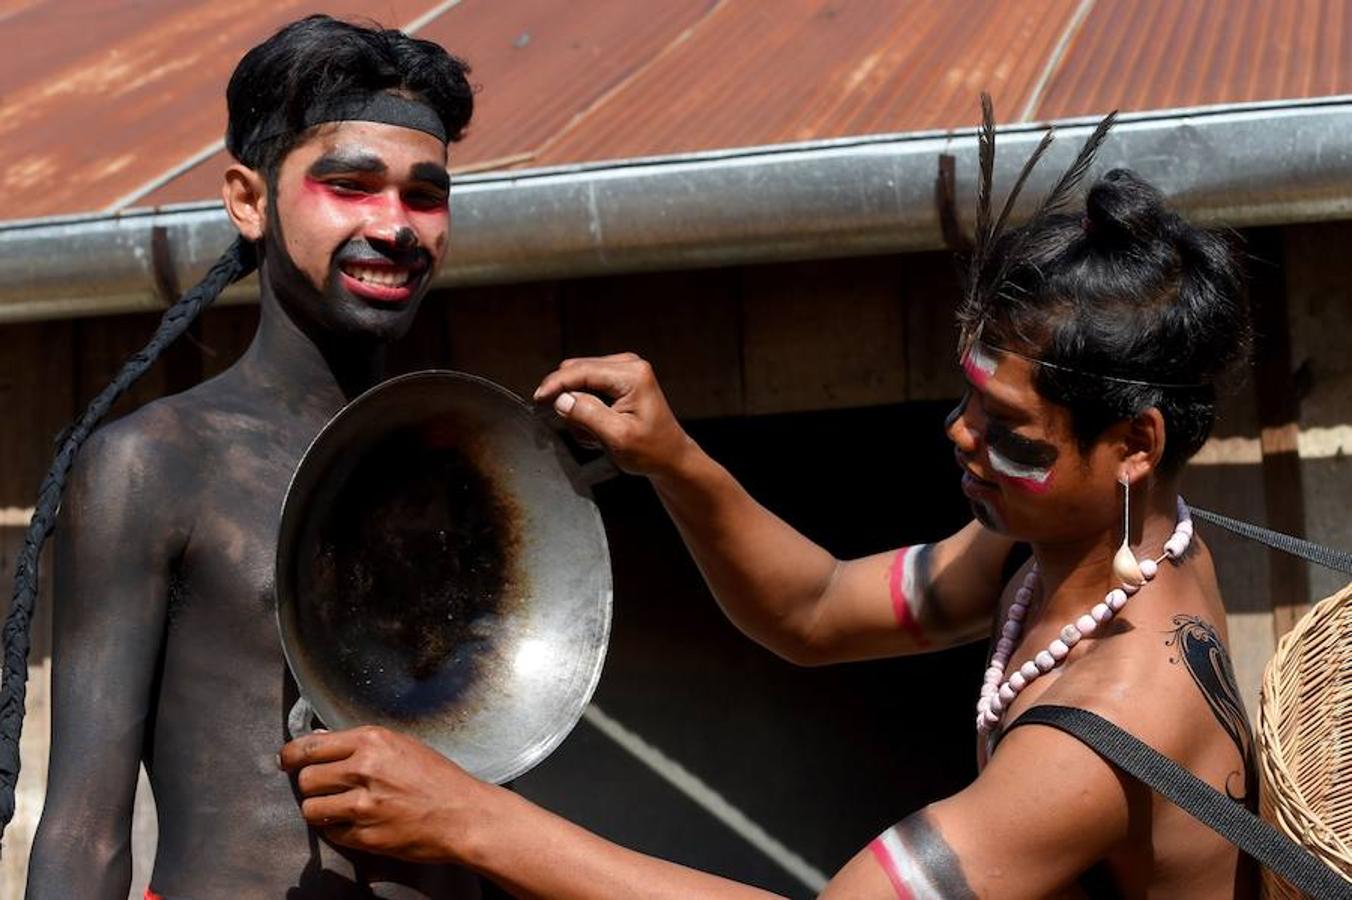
[
  {"x": 177, "y": 432},
  {"x": 1167, "y": 678},
  {"x": 145, "y": 466},
  {"x": 147, "y": 444}
]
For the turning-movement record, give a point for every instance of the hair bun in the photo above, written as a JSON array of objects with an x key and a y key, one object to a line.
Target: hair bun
[{"x": 1122, "y": 208}]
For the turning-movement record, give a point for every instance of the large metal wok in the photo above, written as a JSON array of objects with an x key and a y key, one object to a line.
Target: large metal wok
[{"x": 442, "y": 571}]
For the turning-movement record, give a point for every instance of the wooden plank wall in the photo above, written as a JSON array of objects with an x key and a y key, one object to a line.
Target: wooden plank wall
[
  {"x": 731, "y": 342},
  {"x": 1318, "y": 270},
  {"x": 36, "y": 396},
  {"x": 749, "y": 341},
  {"x": 828, "y": 335}
]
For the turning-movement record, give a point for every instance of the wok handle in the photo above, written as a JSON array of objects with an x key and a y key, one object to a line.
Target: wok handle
[
  {"x": 601, "y": 469},
  {"x": 301, "y": 720},
  {"x": 593, "y": 469}
]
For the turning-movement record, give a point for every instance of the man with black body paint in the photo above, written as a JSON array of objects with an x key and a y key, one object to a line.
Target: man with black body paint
[{"x": 165, "y": 641}]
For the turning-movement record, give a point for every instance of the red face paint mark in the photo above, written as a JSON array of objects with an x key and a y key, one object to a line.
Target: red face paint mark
[
  {"x": 328, "y": 190},
  {"x": 978, "y": 365},
  {"x": 1034, "y": 479},
  {"x": 415, "y": 204},
  {"x": 1027, "y": 484}
]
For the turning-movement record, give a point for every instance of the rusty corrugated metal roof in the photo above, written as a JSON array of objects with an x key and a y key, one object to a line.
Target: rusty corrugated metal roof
[
  {"x": 118, "y": 103},
  {"x": 538, "y": 64},
  {"x": 1160, "y": 54},
  {"x": 761, "y": 73},
  {"x": 99, "y": 115}
]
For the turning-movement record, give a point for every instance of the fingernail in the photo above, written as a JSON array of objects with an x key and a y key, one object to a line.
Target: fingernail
[
  {"x": 564, "y": 405},
  {"x": 277, "y": 758}
]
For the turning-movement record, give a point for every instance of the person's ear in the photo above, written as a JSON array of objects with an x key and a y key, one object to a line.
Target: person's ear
[
  {"x": 245, "y": 193},
  {"x": 1143, "y": 445}
]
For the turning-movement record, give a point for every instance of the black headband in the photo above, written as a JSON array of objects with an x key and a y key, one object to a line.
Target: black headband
[{"x": 379, "y": 106}]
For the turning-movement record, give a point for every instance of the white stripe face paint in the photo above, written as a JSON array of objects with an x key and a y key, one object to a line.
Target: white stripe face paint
[
  {"x": 978, "y": 364},
  {"x": 1031, "y": 478}
]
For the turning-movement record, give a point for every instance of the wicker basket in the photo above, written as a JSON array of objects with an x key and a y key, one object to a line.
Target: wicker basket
[{"x": 1305, "y": 737}]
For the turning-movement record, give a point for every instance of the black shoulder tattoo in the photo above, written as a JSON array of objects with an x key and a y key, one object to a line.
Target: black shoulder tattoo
[
  {"x": 1200, "y": 650},
  {"x": 918, "y": 861}
]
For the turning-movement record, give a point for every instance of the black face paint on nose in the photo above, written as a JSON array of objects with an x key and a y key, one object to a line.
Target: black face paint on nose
[
  {"x": 952, "y": 417},
  {"x": 405, "y": 239}
]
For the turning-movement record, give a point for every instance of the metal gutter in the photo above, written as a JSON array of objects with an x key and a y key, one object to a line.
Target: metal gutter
[{"x": 1234, "y": 166}]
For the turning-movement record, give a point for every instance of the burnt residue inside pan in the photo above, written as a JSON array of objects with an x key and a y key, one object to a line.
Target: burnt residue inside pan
[{"x": 409, "y": 575}]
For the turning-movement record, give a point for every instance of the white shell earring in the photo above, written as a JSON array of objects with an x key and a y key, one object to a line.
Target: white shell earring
[
  {"x": 1125, "y": 566},
  {"x": 999, "y": 693}
]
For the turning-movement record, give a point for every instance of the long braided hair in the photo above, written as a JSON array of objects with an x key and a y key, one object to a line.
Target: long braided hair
[
  {"x": 304, "y": 63},
  {"x": 233, "y": 265}
]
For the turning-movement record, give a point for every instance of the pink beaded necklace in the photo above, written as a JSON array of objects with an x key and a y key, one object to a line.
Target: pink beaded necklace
[{"x": 997, "y": 692}]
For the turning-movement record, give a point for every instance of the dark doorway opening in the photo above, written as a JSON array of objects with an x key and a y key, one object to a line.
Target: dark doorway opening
[{"x": 821, "y": 759}]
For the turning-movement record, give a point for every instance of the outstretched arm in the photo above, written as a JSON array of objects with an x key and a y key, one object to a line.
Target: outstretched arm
[
  {"x": 775, "y": 584},
  {"x": 1044, "y": 811},
  {"x": 375, "y": 790},
  {"x": 108, "y": 623}
]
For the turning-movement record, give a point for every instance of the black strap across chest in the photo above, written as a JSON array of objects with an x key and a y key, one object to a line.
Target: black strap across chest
[{"x": 1230, "y": 820}]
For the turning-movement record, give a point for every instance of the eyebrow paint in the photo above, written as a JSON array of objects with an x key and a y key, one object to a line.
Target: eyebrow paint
[
  {"x": 1036, "y": 479},
  {"x": 341, "y": 162},
  {"x": 906, "y": 582},
  {"x": 978, "y": 365},
  {"x": 433, "y": 174}
]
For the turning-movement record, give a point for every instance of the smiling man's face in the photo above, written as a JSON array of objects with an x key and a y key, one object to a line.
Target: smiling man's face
[{"x": 358, "y": 225}]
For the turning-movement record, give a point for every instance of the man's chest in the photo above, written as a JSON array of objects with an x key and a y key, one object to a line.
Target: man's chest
[{"x": 227, "y": 565}]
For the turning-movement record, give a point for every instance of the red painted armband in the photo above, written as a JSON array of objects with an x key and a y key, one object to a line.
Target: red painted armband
[{"x": 907, "y": 584}]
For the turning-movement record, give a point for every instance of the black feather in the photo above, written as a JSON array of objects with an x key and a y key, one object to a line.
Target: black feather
[
  {"x": 1054, "y": 201},
  {"x": 985, "y": 176},
  {"x": 1061, "y": 193},
  {"x": 1018, "y": 185}
]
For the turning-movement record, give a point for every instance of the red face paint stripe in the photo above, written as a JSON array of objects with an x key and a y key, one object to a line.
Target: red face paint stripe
[
  {"x": 901, "y": 603},
  {"x": 889, "y": 867},
  {"x": 326, "y": 191},
  {"x": 1031, "y": 478},
  {"x": 1029, "y": 485},
  {"x": 977, "y": 366}
]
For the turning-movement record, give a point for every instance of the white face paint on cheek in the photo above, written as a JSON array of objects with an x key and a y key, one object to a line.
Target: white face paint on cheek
[{"x": 1030, "y": 478}]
